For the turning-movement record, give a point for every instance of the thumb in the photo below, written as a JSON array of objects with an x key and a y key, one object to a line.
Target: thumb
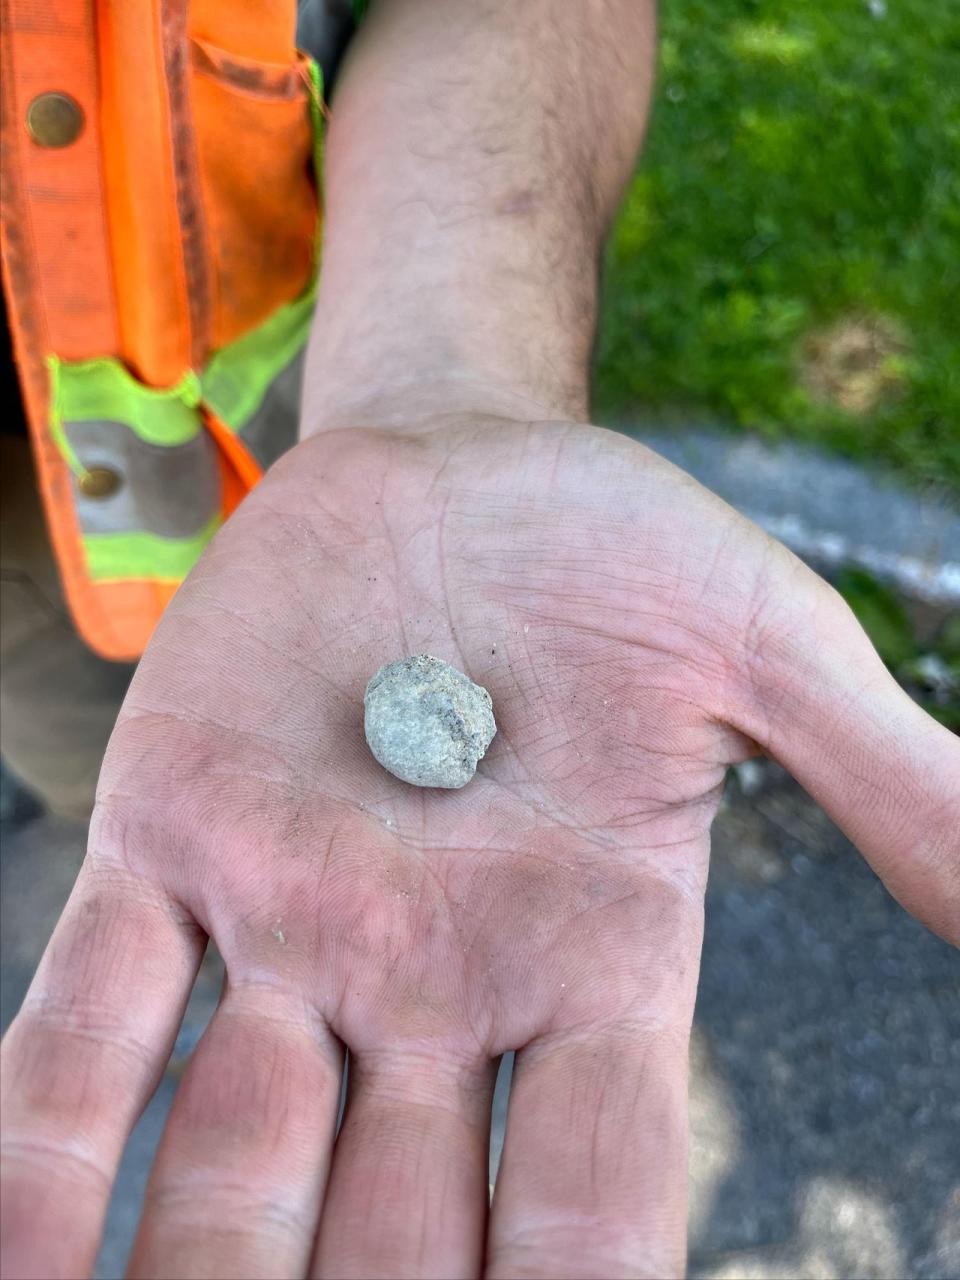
[{"x": 823, "y": 704}]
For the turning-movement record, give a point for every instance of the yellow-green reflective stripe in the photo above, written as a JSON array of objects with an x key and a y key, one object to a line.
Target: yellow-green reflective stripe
[
  {"x": 238, "y": 376},
  {"x": 318, "y": 123},
  {"x": 56, "y": 419},
  {"x": 145, "y": 555},
  {"x": 92, "y": 390}
]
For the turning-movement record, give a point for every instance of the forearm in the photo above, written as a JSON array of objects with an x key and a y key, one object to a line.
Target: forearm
[{"x": 475, "y": 156}]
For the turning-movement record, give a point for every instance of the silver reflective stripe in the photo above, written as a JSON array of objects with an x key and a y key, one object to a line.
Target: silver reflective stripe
[
  {"x": 170, "y": 490},
  {"x": 272, "y": 429}
]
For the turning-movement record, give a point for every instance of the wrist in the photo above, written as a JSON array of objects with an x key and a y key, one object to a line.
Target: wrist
[{"x": 335, "y": 398}]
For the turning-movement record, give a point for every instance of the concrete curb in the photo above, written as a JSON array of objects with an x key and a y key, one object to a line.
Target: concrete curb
[{"x": 828, "y": 510}]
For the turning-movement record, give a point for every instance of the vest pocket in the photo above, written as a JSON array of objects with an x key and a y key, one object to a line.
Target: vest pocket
[{"x": 255, "y": 149}]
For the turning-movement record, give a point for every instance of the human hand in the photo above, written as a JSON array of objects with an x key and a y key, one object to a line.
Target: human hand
[{"x": 637, "y": 636}]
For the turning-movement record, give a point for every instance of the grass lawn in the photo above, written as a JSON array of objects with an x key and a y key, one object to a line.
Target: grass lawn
[{"x": 788, "y": 256}]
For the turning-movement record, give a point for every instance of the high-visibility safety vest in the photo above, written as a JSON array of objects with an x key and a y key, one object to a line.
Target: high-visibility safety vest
[{"x": 160, "y": 219}]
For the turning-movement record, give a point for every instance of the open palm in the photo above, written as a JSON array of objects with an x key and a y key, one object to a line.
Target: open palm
[{"x": 637, "y": 636}]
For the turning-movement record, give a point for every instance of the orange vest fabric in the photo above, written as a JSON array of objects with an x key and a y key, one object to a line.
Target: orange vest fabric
[{"x": 159, "y": 231}]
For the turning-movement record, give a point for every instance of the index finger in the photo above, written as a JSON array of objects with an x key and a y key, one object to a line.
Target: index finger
[
  {"x": 80, "y": 1062},
  {"x": 593, "y": 1176}
]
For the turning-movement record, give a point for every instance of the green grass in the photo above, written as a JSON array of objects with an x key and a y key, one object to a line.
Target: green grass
[{"x": 801, "y": 175}]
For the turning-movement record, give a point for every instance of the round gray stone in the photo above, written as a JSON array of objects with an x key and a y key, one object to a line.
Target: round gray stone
[{"x": 426, "y": 722}]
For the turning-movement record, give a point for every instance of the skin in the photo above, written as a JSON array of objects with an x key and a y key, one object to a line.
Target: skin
[{"x": 637, "y": 636}]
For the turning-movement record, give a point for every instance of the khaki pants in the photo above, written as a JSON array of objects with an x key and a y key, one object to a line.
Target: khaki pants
[{"x": 58, "y": 701}]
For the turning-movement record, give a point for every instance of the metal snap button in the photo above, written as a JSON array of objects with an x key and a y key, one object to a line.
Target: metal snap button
[
  {"x": 99, "y": 482},
  {"x": 54, "y": 119}
]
